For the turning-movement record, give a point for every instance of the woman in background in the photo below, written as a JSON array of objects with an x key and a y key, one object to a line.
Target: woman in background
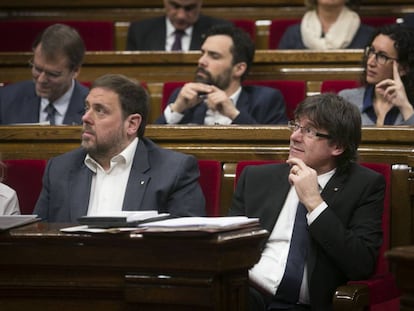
[
  {"x": 387, "y": 94},
  {"x": 9, "y": 204},
  {"x": 327, "y": 25}
]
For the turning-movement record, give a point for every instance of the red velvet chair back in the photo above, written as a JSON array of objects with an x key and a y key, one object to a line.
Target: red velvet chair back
[
  {"x": 242, "y": 164},
  {"x": 378, "y": 21},
  {"x": 335, "y": 86},
  {"x": 277, "y": 28},
  {"x": 247, "y": 25},
  {"x": 25, "y": 177},
  {"x": 385, "y": 170},
  {"x": 210, "y": 183},
  {"x": 18, "y": 35},
  {"x": 293, "y": 91}
]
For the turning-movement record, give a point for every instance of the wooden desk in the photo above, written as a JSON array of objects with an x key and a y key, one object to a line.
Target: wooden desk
[
  {"x": 402, "y": 260},
  {"x": 44, "y": 269}
]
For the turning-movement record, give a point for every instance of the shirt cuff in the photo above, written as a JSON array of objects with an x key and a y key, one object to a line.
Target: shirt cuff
[
  {"x": 316, "y": 212},
  {"x": 172, "y": 117}
]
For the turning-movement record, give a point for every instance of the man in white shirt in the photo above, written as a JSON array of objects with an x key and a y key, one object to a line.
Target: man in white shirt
[
  {"x": 342, "y": 205},
  {"x": 117, "y": 168},
  {"x": 158, "y": 33},
  {"x": 217, "y": 96}
]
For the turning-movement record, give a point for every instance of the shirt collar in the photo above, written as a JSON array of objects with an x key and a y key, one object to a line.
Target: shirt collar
[
  {"x": 235, "y": 96},
  {"x": 324, "y": 178},
  {"x": 62, "y": 103},
  {"x": 125, "y": 157},
  {"x": 171, "y": 29}
]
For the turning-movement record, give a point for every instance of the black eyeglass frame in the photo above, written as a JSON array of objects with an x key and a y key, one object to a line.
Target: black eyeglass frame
[
  {"x": 380, "y": 57},
  {"x": 306, "y": 130}
]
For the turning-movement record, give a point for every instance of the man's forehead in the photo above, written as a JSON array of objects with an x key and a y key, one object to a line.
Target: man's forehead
[{"x": 219, "y": 43}]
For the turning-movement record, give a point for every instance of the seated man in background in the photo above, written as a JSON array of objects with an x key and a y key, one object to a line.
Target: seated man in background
[
  {"x": 117, "y": 168},
  {"x": 322, "y": 209},
  {"x": 217, "y": 95},
  {"x": 54, "y": 95},
  {"x": 181, "y": 29}
]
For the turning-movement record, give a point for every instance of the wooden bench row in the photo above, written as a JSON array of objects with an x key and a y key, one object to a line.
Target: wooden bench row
[
  {"x": 393, "y": 145},
  {"x": 155, "y": 68}
]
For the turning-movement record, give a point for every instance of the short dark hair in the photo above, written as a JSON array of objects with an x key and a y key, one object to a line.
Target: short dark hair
[
  {"x": 403, "y": 38},
  {"x": 61, "y": 38},
  {"x": 132, "y": 96},
  {"x": 243, "y": 48},
  {"x": 340, "y": 118}
]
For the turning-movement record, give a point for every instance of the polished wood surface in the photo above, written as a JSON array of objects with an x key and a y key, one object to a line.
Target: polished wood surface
[
  {"x": 402, "y": 260},
  {"x": 42, "y": 268},
  {"x": 393, "y": 145}
]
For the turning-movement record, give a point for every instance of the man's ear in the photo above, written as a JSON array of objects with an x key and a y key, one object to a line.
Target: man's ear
[
  {"x": 239, "y": 69},
  {"x": 132, "y": 123}
]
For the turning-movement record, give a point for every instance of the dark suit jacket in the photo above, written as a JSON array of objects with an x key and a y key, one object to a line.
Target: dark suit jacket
[
  {"x": 257, "y": 105},
  {"x": 345, "y": 237},
  {"x": 20, "y": 104},
  {"x": 292, "y": 38},
  {"x": 160, "y": 179},
  {"x": 150, "y": 34}
]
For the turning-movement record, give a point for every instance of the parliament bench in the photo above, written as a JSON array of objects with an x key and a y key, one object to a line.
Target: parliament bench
[{"x": 229, "y": 145}]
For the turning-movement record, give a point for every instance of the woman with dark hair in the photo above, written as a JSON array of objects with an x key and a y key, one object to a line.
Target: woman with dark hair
[
  {"x": 327, "y": 25},
  {"x": 387, "y": 94}
]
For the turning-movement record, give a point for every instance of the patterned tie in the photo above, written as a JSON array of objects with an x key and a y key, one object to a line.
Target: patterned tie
[
  {"x": 177, "y": 42},
  {"x": 289, "y": 287},
  {"x": 51, "y": 112}
]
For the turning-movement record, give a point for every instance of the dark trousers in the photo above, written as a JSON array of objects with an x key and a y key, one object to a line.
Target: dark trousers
[{"x": 259, "y": 302}]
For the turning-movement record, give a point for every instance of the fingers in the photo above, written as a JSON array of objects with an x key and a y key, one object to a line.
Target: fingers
[{"x": 396, "y": 73}]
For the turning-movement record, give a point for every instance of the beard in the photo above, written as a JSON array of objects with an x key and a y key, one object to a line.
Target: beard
[{"x": 222, "y": 81}]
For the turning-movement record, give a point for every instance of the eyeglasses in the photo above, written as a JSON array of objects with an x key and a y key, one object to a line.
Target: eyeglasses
[
  {"x": 380, "y": 57},
  {"x": 49, "y": 74},
  {"x": 308, "y": 131}
]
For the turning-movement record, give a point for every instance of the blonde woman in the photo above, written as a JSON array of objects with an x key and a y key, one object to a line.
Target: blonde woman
[{"x": 327, "y": 25}]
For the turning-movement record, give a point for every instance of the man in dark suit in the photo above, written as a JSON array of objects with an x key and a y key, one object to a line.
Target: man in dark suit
[
  {"x": 342, "y": 205},
  {"x": 217, "y": 95},
  {"x": 159, "y": 33},
  {"x": 117, "y": 168},
  {"x": 54, "y": 96}
]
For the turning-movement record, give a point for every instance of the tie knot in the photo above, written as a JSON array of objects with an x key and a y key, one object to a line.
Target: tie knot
[
  {"x": 51, "y": 112},
  {"x": 177, "y": 41}
]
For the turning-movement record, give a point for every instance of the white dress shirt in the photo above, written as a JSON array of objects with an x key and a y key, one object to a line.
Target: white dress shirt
[
  {"x": 268, "y": 272},
  {"x": 170, "y": 37},
  {"x": 211, "y": 118},
  {"x": 61, "y": 105},
  {"x": 108, "y": 187}
]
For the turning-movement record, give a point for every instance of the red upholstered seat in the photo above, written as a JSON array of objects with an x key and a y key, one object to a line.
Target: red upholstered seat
[
  {"x": 247, "y": 25},
  {"x": 293, "y": 91},
  {"x": 335, "y": 86},
  {"x": 210, "y": 183},
  {"x": 378, "y": 21},
  {"x": 18, "y": 35},
  {"x": 380, "y": 292},
  {"x": 25, "y": 177}
]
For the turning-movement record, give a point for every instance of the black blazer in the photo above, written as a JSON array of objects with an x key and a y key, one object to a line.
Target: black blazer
[
  {"x": 257, "y": 105},
  {"x": 150, "y": 34},
  {"x": 20, "y": 104},
  {"x": 345, "y": 237}
]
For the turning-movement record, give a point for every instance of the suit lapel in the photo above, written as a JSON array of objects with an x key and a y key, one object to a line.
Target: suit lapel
[
  {"x": 31, "y": 111},
  {"x": 138, "y": 180},
  {"x": 76, "y": 106},
  {"x": 79, "y": 191}
]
